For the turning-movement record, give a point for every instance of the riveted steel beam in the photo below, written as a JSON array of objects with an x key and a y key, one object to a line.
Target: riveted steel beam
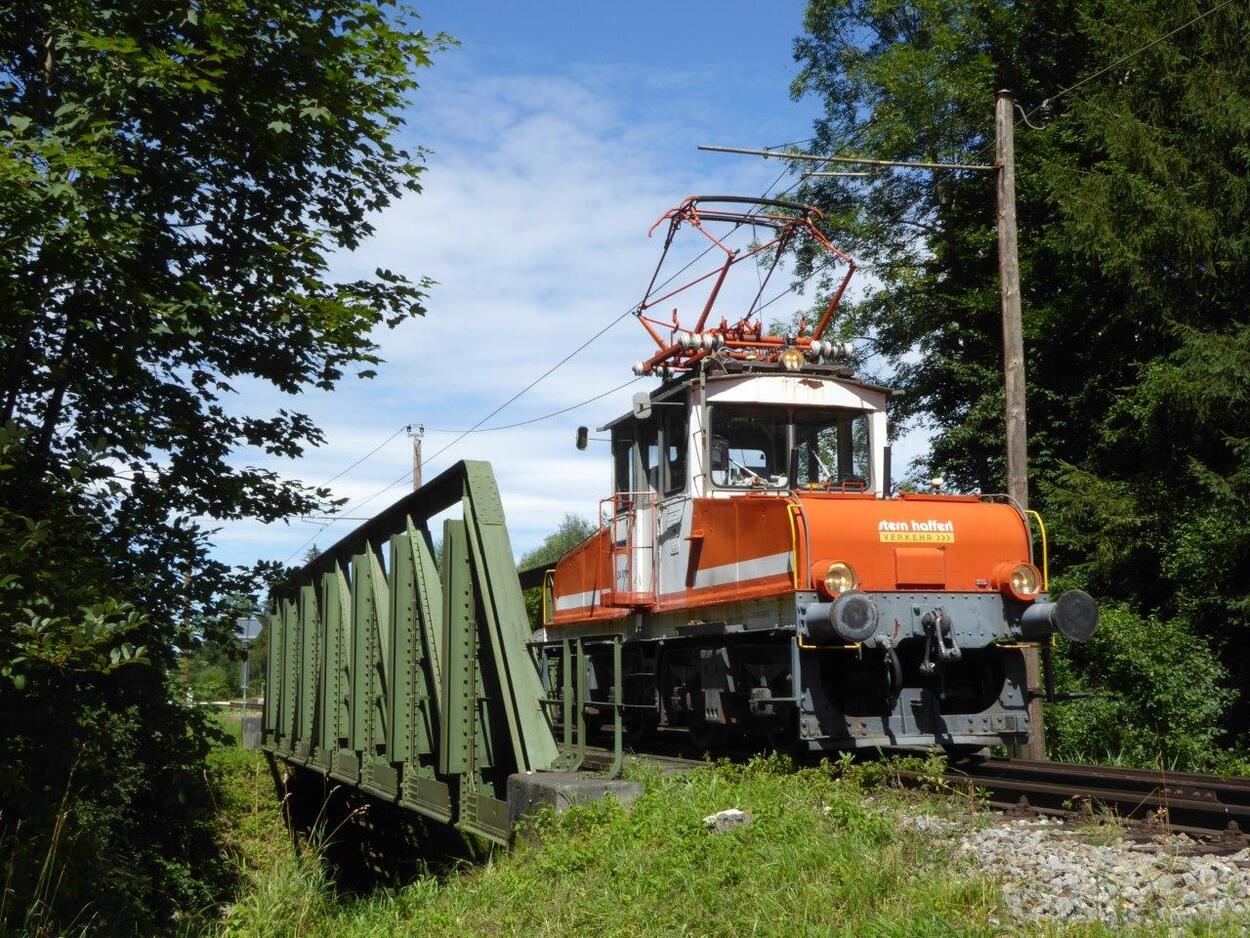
[{"x": 412, "y": 682}]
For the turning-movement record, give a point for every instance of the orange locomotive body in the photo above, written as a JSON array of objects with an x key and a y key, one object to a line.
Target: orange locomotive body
[{"x": 766, "y": 578}]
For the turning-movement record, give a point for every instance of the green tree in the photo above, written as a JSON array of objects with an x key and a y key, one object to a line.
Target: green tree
[
  {"x": 105, "y": 761},
  {"x": 1133, "y": 201},
  {"x": 571, "y": 531},
  {"x": 174, "y": 179}
]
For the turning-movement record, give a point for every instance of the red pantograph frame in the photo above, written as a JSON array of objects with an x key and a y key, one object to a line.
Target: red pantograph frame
[{"x": 744, "y": 338}]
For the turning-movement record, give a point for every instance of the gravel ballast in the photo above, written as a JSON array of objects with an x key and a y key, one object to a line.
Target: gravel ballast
[{"x": 1051, "y": 870}]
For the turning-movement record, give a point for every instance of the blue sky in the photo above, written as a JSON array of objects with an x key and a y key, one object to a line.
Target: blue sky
[{"x": 559, "y": 132}]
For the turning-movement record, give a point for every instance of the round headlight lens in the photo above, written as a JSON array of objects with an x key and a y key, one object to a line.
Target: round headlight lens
[
  {"x": 792, "y": 359},
  {"x": 1024, "y": 580},
  {"x": 839, "y": 578}
]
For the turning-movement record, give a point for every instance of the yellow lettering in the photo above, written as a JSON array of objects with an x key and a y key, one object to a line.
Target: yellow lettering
[{"x": 917, "y": 537}]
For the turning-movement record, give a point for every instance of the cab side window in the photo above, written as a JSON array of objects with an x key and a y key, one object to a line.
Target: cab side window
[
  {"x": 636, "y": 456},
  {"x": 649, "y": 454},
  {"x": 675, "y": 440},
  {"x": 623, "y": 458}
]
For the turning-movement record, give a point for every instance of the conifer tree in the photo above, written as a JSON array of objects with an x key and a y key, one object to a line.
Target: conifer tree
[{"x": 1134, "y": 222}]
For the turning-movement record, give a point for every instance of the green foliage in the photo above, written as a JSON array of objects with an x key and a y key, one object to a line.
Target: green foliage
[
  {"x": 571, "y": 531},
  {"x": 103, "y": 762},
  {"x": 214, "y": 668},
  {"x": 1134, "y": 212},
  {"x": 173, "y": 180},
  {"x": 1161, "y": 693}
]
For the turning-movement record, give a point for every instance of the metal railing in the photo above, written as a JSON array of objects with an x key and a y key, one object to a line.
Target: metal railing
[
  {"x": 619, "y": 514},
  {"x": 573, "y": 702}
]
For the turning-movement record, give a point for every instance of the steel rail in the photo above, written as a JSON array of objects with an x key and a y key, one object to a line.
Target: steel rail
[
  {"x": 1180, "y": 802},
  {"x": 1207, "y": 807}
]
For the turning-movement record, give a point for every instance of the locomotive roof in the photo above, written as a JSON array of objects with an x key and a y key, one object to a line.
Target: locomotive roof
[{"x": 735, "y": 369}]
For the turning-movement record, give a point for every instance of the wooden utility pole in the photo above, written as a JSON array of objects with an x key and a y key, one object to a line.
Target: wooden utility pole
[
  {"x": 1013, "y": 380},
  {"x": 416, "y": 435},
  {"x": 1009, "y": 278}
]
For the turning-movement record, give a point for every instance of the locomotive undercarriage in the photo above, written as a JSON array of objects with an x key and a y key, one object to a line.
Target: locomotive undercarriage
[{"x": 942, "y": 670}]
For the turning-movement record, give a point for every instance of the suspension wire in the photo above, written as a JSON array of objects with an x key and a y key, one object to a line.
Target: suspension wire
[
  {"x": 790, "y": 143},
  {"x": 333, "y": 478},
  {"x": 1124, "y": 58},
  {"x": 476, "y": 429},
  {"x": 893, "y": 220},
  {"x": 371, "y": 452},
  {"x": 554, "y": 413}
]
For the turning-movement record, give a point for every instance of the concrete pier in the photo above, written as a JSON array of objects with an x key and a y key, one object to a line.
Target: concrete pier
[{"x": 531, "y": 792}]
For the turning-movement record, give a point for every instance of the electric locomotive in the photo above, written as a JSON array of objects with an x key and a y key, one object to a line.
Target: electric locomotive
[{"x": 758, "y": 565}]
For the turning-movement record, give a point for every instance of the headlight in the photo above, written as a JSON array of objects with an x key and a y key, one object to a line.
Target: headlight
[
  {"x": 1024, "y": 580},
  {"x": 1019, "y": 580},
  {"x": 792, "y": 359},
  {"x": 835, "y": 578}
]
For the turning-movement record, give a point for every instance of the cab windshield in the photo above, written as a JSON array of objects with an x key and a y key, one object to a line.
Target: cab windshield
[
  {"x": 833, "y": 449},
  {"x": 750, "y": 447}
]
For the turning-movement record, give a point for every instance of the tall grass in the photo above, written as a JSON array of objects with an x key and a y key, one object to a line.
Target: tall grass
[
  {"x": 824, "y": 855},
  {"x": 817, "y": 859},
  {"x": 39, "y": 919}
]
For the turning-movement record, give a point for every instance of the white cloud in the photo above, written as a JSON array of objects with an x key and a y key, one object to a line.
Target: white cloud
[{"x": 533, "y": 221}]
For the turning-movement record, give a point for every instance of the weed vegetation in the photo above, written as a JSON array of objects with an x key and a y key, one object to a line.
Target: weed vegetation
[{"x": 824, "y": 855}]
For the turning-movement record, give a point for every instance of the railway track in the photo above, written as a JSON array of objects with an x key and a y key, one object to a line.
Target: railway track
[
  {"x": 1198, "y": 805},
  {"x": 1203, "y": 806}
]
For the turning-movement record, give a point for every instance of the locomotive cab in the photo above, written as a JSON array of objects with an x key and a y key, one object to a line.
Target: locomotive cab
[{"x": 723, "y": 436}]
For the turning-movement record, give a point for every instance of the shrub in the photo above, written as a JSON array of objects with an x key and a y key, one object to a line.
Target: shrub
[
  {"x": 105, "y": 808},
  {"x": 1159, "y": 693},
  {"x": 109, "y": 821}
]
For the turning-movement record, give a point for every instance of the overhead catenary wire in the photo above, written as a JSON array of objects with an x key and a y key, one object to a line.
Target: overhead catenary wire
[
  {"x": 554, "y": 413},
  {"x": 790, "y": 143},
  {"x": 463, "y": 433},
  {"x": 854, "y": 160},
  {"x": 1124, "y": 58},
  {"x": 476, "y": 428},
  {"x": 945, "y": 169},
  {"x": 366, "y": 456}
]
